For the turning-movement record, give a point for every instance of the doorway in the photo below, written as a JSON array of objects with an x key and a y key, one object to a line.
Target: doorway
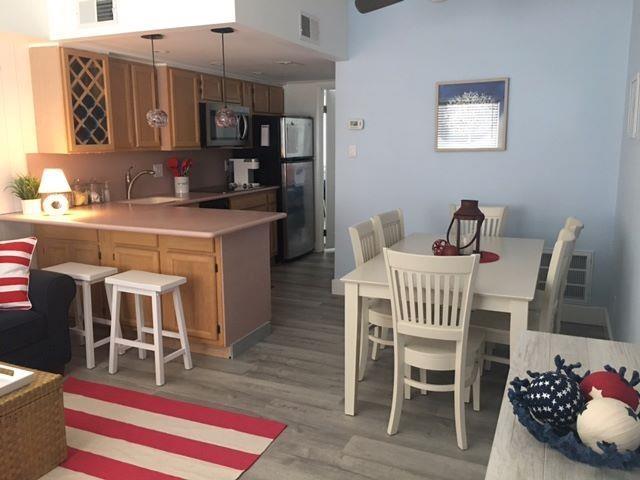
[{"x": 328, "y": 168}]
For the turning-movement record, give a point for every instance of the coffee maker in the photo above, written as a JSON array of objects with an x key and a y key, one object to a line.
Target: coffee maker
[{"x": 244, "y": 171}]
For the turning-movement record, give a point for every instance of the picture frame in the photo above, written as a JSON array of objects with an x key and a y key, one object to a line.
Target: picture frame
[
  {"x": 633, "y": 111},
  {"x": 472, "y": 115}
]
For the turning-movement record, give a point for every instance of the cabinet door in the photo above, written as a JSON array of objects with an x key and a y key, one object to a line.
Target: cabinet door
[
  {"x": 260, "y": 98},
  {"x": 184, "y": 117},
  {"x": 233, "y": 90},
  {"x": 247, "y": 94},
  {"x": 88, "y": 101},
  {"x": 127, "y": 258},
  {"x": 199, "y": 294},
  {"x": 121, "y": 105},
  {"x": 144, "y": 99},
  {"x": 276, "y": 100},
  {"x": 211, "y": 88}
]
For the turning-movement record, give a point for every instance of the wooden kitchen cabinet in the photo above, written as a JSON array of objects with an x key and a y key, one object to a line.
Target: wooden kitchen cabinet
[
  {"x": 144, "y": 99},
  {"x": 122, "y": 105},
  {"x": 247, "y": 94},
  {"x": 233, "y": 90},
  {"x": 211, "y": 89},
  {"x": 72, "y": 100},
  {"x": 276, "y": 100},
  {"x": 260, "y": 98},
  {"x": 179, "y": 94}
]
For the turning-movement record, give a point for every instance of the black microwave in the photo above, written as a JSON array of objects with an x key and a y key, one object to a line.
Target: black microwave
[{"x": 214, "y": 136}]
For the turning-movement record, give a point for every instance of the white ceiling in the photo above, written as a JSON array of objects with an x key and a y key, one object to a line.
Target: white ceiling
[{"x": 247, "y": 52}]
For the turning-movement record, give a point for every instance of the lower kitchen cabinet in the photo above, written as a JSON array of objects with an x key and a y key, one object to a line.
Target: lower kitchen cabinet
[{"x": 263, "y": 202}]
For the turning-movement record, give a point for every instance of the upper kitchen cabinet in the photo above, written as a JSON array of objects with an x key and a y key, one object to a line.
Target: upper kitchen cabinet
[
  {"x": 268, "y": 99},
  {"x": 212, "y": 89},
  {"x": 133, "y": 94},
  {"x": 71, "y": 96},
  {"x": 179, "y": 94}
]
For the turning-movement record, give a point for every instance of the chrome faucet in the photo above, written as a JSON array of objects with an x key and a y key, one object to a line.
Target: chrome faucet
[{"x": 129, "y": 181}]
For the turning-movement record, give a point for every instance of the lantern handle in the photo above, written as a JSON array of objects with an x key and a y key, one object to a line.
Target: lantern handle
[{"x": 465, "y": 246}]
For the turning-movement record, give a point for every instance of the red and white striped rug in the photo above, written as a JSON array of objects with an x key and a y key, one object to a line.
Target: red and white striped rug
[{"x": 114, "y": 433}]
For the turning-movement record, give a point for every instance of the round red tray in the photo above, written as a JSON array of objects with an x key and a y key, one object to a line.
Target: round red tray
[{"x": 488, "y": 257}]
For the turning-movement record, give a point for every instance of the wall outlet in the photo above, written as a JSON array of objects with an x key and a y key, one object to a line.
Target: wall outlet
[
  {"x": 158, "y": 169},
  {"x": 356, "y": 124},
  {"x": 352, "y": 151}
]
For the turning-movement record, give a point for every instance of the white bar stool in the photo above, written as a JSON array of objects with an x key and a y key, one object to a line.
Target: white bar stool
[
  {"x": 86, "y": 275},
  {"x": 150, "y": 285}
]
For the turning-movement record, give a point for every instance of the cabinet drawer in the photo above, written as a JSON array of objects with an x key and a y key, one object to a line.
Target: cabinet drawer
[
  {"x": 66, "y": 233},
  {"x": 133, "y": 238},
  {"x": 190, "y": 244},
  {"x": 248, "y": 201}
]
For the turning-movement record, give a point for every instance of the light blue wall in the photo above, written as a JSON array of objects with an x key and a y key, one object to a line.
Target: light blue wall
[
  {"x": 567, "y": 60},
  {"x": 625, "y": 311}
]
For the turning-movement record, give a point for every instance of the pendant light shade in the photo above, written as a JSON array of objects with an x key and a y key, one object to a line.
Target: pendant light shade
[
  {"x": 225, "y": 117},
  {"x": 156, "y": 117}
]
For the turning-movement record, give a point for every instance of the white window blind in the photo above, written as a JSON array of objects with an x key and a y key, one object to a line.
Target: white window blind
[{"x": 469, "y": 125}]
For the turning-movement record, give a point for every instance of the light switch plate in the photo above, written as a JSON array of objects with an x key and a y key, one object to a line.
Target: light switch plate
[
  {"x": 158, "y": 169},
  {"x": 352, "y": 151}
]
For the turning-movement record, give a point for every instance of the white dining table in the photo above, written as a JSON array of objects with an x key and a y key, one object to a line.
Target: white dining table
[{"x": 507, "y": 285}]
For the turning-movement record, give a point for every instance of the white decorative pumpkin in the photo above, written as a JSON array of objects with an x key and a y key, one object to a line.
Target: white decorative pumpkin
[{"x": 609, "y": 420}]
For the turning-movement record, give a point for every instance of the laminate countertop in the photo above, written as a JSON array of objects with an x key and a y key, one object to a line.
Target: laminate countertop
[
  {"x": 164, "y": 219},
  {"x": 197, "y": 197}
]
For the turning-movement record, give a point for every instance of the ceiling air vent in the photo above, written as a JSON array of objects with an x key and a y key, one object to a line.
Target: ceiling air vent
[
  {"x": 309, "y": 28},
  {"x": 95, "y": 11}
]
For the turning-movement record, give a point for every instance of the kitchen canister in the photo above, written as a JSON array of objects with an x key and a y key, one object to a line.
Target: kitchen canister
[{"x": 181, "y": 185}]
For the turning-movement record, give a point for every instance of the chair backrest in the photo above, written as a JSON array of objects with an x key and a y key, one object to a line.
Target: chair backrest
[
  {"x": 556, "y": 279},
  {"x": 574, "y": 225},
  {"x": 389, "y": 227},
  {"x": 364, "y": 242},
  {"x": 493, "y": 225},
  {"x": 431, "y": 296}
]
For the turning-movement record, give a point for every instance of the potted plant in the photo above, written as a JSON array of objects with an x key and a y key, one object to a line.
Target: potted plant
[{"x": 25, "y": 187}]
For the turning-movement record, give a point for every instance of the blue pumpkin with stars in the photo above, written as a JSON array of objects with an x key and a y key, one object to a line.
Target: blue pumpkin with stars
[{"x": 554, "y": 398}]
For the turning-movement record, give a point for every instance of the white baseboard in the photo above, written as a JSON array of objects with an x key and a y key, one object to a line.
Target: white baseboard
[{"x": 337, "y": 287}]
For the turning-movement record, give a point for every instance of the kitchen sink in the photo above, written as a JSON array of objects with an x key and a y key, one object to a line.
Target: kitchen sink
[{"x": 150, "y": 200}]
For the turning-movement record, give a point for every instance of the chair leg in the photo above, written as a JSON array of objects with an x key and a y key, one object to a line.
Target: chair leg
[
  {"x": 142, "y": 337},
  {"x": 476, "y": 390},
  {"x": 467, "y": 394},
  {"x": 458, "y": 400},
  {"x": 384, "y": 334},
  {"x": 87, "y": 308},
  {"x": 398, "y": 384},
  {"x": 182, "y": 329},
  {"x": 109, "y": 290},
  {"x": 489, "y": 351},
  {"x": 376, "y": 346},
  {"x": 115, "y": 320},
  {"x": 407, "y": 388},
  {"x": 423, "y": 379},
  {"x": 158, "y": 350},
  {"x": 79, "y": 323},
  {"x": 364, "y": 341}
]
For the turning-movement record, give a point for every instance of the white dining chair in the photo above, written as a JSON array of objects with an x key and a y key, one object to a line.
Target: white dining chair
[
  {"x": 574, "y": 225},
  {"x": 364, "y": 242},
  {"x": 431, "y": 301},
  {"x": 493, "y": 225},
  {"x": 389, "y": 227},
  {"x": 496, "y": 325}
]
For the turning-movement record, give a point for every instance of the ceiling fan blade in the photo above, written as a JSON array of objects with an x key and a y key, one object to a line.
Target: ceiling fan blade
[{"x": 366, "y": 6}]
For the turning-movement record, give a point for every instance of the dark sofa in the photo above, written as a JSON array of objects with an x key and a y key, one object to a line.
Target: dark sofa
[{"x": 39, "y": 338}]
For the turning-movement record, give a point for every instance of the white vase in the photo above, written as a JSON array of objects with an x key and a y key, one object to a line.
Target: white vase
[
  {"x": 31, "y": 207},
  {"x": 181, "y": 185}
]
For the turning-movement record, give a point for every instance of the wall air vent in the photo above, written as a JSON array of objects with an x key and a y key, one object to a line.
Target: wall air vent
[
  {"x": 309, "y": 28},
  {"x": 578, "y": 279},
  {"x": 95, "y": 11}
]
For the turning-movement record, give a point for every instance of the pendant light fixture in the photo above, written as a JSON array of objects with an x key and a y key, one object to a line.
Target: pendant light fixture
[
  {"x": 225, "y": 117},
  {"x": 156, "y": 117}
]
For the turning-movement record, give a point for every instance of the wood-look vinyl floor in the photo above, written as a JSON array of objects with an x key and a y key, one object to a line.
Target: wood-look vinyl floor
[{"x": 296, "y": 376}]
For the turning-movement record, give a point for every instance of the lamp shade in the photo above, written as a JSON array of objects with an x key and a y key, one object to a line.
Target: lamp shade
[{"x": 53, "y": 181}]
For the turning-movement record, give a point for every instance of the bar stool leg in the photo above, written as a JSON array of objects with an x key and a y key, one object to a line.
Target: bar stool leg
[
  {"x": 79, "y": 317},
  {"x": 157, "y": 338},
  {"x": 142, "y": 353},
  {"x": 182, "y": 329},
  {"x": 115, "y": 327},
  {"x": 88, "y": 324},
  {"x": 109, "y": 289}
]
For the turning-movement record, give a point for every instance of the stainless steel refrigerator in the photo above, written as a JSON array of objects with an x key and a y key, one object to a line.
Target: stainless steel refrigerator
[{"x": 284, "y": 146}]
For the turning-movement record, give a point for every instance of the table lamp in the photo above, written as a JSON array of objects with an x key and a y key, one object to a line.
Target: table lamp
[{"x": 54, "y": 185}]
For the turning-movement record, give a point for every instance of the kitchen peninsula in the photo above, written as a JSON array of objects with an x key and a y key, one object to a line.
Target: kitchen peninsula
[{"x": 224, "y": 254}]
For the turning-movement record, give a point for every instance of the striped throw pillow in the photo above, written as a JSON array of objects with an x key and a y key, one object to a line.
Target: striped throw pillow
[{"x": 15, "y": 259}]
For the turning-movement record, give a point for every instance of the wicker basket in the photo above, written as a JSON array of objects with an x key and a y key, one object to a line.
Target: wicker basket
[{"x": 32, "y": 432}]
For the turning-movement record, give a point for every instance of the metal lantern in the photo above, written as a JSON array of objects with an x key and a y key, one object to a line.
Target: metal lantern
[{"x": 468, "y": 212}]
